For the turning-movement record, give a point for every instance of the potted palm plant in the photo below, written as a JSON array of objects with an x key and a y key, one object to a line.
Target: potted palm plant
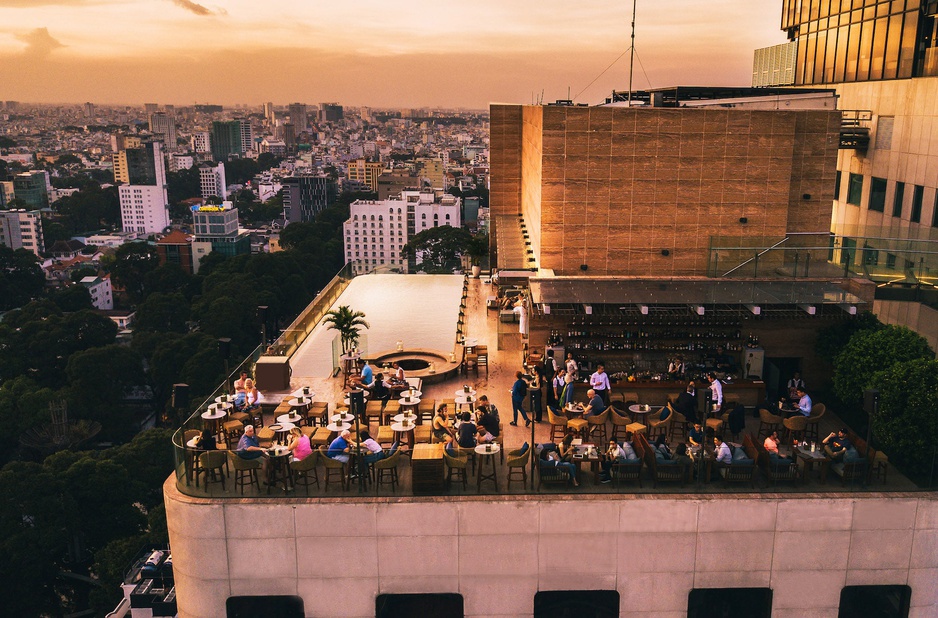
[
  {"x": 478, "y": 248},
  {"x": 348, "y": 323}
]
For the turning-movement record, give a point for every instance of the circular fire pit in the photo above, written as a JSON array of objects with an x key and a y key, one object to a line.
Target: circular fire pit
[{"x": 417, "y": 363}]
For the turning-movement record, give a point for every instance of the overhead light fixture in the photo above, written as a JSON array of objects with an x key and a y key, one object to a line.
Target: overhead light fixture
[
  {"x": 588, "y": 309},
  {"x": 809, "y": 309},
  {"x": 546, "y": 309},
  {"x": 755, "y": 309},
  {"x": 643, "y": 309},
  {"x": 698, "y": 309}
]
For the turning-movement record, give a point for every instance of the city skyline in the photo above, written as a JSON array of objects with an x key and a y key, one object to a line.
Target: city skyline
[{"x": 427, "y": 55}]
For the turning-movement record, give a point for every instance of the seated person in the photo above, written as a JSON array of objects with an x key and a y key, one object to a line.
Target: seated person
[
  {"x": 724, "y": 454},
  {"x": 466, "y": 434},
  {"x": 737, "y": 419},
  {"x": 550, "y": 457},
  {"x": 375, "y": 452},
  {"x": 252, "y": 397},
  {"x": 239, "y": 383},
  {"x": 661, "y": 446},
  {"x": 565, "y": 448},
  {"x": 484, "y": 436},
  {"x": 249, "y": 447},
  {"x": 680, "y": 455},
  {"x": 299, "y": 445},
  {"x": 398, "y": 376},
  {"x": 615, "y": 454},
  {"x": 595, "y": 406},
  {"x": 207, "y": 441},
  {"x": 339, "y": 448},
  {"x": 836, "y": 445},
  {"x": 380, "y": 390},
  {"x": 804, "y": 402},
  {"x": 441, "y": 429},
  {"x": 696, "y": 435},
  {"x": 771, "y": 446},
  {"x": 366, "y": 377},
  {"x": 488, "y": 420}
]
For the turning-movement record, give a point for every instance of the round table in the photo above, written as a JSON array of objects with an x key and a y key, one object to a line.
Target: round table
[
  {"x": 409, "y": 405},
  {"x": 400, "y": 418},
  {"x": 642, "y": 409},
  {"x": 278, "y": 469},
  {"x": 304, "y": 391},
  {"x": 213, "y": 419},
  {"x": 486, "y": 452},
  {"x": 342, "y": 417},
  {"x": 470, "y": 342},
  {"x": 462, "y": 393},
  {"x": 413, "y": 392},
  {"x": 224, "y": 399},
  {"x": 575, "y": 409},
  {"x": 403, "y": 431},
  {"x": 282, "y": 430},
  {"x": 292, "y": 418},
  {"x": 220, "y": 406},
  {"x": 300, "y": 402},
  {"x": 464, "y": 400},
  {"x": 337, "y": 427},
  {"x": 348, "y": 401}
]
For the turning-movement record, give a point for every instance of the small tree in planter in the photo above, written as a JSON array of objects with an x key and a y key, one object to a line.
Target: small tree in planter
[
  {"x": 348, "y": 323},
  {"x": 477, "y": 249}
]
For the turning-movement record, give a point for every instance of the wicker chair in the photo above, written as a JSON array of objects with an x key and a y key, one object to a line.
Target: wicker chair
[
  {"x": 518, "y": 466},
  {"x": 597, "y": 425},
  {"x": 784, "y": 469},
  {"x": 245, "y": 471},
  {"x": 213, "y": 464},
  {"x": 768, "y": 423},
  {"x": 386, "y": 470},
  {"x": 619, "y": 424},
  {"x": 811, "y": 431},
  {"x": 306, "y": 469},
  {"x": 558, "y": 424},
  {"x": 795, "y": 426},
  {"x": 678, "y": 425},
  {"x": 656, "y": 426},
  {"x": 333, "y": 466},
  {"x": 456, "y": 466}
]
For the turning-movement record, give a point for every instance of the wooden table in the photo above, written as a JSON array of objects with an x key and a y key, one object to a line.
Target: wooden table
[
  {"x": 486, "y": 455},
  {"x": 427, "y": 468},
  {"x": 584, "y": 450},
  {"x": 817, "y": 457},
  {"x": 278, "y": 469}
]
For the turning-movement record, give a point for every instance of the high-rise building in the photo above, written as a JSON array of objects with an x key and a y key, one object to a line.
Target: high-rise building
[
  {"x": 247, "y": 135},
  {"x": 201, "y": 142},
  {"x": 882, "y": 60},
  {"x": 306, "y": 195},
  {"x": 179, "y": 162},
  {"x": 366, "y": 173},
  {"x": 143, "y": 197},
  {"x": 150, "y": 108},
  {"x": 269, "y": 116},
  {"x": 226, "y": 139},
  {"x": 298, "y": 116},
  {"x": 216, "y": 229},
  {"x": 287, "y": 132},
  {"x": 163, "y": 125},
  {"x": 22, "y": 229},
  {"x": 433, "y": 173},
  {"x": 88, "y": 110},
  {"x": 32, "y": 188},
  {"x": 212, "y": 180},
  {"x": 140, "y": 166},
  {"x": 377, "y": 229},
  {"x": 330, "y": 112}
]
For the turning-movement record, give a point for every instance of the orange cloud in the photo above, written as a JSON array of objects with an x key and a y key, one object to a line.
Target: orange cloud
[{"x": 39, "y": 43}]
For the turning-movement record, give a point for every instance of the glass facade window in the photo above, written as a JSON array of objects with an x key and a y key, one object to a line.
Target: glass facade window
[
  {"x": 934, "y": 216},
  {"x": 878, "y": 194},
  {"x": 837, "y": 178},
  {"x": 897, "y": 199},
  {"x": 857, "y": 41},
  {"x": 855, "y": 189},
  {"x": 918, "y": 195},
  {"x": 879, "y": 601}
]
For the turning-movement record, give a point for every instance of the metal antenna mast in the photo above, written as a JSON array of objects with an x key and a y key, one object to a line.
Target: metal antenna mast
[{"x": 632, "y": 56}]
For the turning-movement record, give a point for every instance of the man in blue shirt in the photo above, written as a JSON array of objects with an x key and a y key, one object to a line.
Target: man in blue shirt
[
  {"x": 339, "y": 448},
  {"x": 519, "y": 391},
  {"x": 596, "y": 404}
]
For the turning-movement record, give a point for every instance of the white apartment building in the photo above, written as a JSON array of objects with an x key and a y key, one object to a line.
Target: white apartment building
[
  {"x": 201, "y": 142},
  {"x": 179, "y": 162},
  {"x": 377, "y": 229},
  {"x": 144, "y": 208},
  {"x": 102, "y": 295},
  {"x": 212, "y": 179},
  {"x": 21, "y": 229}
]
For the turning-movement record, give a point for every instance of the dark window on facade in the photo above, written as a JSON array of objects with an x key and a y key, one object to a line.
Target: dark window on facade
[
  {"x": 854, "y": 189},
  {"x": 579, "y": 603},
  {"x": 897, "y": 199},
  {"x": 934, "y": 216},
  {"x": 848, "y": 251},
  {"x": 422, "y": 605},
  {"x": 837, "y": 178},
  {"x": 891, "y": 261},
  {"x": 918, "y": 195},
  {"x": 878, "y": 194},
  {"x": 274, "y": 606},
  {"x": 720, "y": 602},
  {"x": 875, "y": 601},
  {"x": 870, "y": 255}
]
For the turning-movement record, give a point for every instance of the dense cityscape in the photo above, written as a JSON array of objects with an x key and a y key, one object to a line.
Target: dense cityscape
[{"x": 269, "y": 359}]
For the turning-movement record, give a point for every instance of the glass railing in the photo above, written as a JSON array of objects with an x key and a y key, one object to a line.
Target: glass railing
[{"x": 878, "y": 258}]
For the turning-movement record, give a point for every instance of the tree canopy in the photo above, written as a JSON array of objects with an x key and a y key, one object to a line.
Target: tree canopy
[
  {"x": 21, "y": 278},
  {"x": 438, "y": 248}
]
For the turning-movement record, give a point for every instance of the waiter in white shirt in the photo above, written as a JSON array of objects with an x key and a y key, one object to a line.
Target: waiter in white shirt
[
  {"x": 716, "y": 388},
  {"x": 599, "y": 382}
]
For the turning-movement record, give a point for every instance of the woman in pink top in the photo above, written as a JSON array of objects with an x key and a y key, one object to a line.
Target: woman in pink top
[{"x": 299, "y": 444}]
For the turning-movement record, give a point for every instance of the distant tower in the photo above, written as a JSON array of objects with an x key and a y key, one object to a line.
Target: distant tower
[
  {"x": 298, "y": 116},
  {"x": 163, "y": 125},
  {"x": 88, "y": 109}
]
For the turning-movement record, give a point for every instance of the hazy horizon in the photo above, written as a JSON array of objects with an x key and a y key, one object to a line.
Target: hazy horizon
[{"x": 131, "y": 52}]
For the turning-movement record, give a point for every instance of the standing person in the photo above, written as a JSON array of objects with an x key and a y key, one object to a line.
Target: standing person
[
  {"x": 686, "y": 403},
  {"x": 556, "y": 388},
  {"x": 716, "y": 388},
  {"x": 793, "y": 385},
  {"x": 239, "y": 383},
  {"x": 566, "y": 395},
  {"x": 599, "y": 381},
  {"x": 534, "y": 387},
  {"x": 522, "y": 313},
  {"x": 519, "y": 391},
  {"x": 572, "y": 367},
  {"x": 676, "y": 368}
]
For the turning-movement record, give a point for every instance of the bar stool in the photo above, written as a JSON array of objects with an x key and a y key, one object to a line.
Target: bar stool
[
  {"x": 597, "y": 425},
  {"x": 619, "y": 424}
]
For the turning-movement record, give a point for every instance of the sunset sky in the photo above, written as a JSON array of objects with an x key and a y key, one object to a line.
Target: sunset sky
[{"x": 364, "y": 52}]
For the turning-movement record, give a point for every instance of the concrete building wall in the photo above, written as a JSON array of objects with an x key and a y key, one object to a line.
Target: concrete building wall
[
  {"x": 620, "y": 185},
  {"x": 653, "y": 549}
]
